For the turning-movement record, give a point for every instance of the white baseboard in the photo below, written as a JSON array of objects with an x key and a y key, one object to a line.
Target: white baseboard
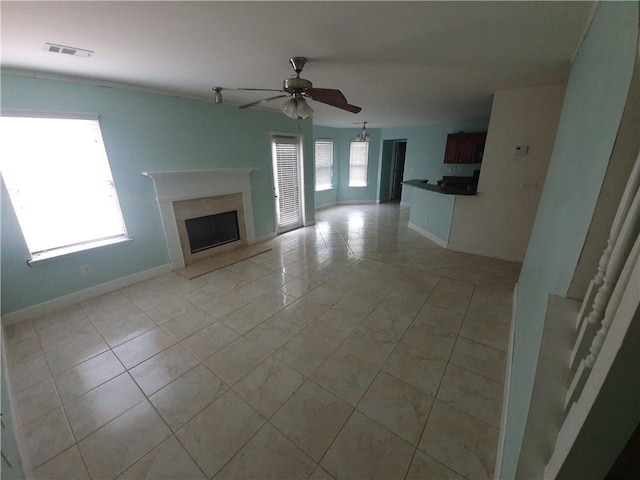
[
  {"x": 502, "y": 255},
  {"x": 431, "y": 236},
  {"x": 326, "y": 205},
  {"x": 54, "y": 304},
  {"x": 405, "y": 204},
  {"x": 356, "y": 202},
  {"x": 266, "y": 237},
  {"x": 497, "y": 469}
]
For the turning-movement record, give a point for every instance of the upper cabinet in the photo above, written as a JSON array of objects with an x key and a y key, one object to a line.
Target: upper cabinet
[{"x": 465, "y": 147}]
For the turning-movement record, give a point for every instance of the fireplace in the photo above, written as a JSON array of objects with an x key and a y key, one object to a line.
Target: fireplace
[
  {"x": 212, "y": 231},
  {"x": 184, "y": 197}
]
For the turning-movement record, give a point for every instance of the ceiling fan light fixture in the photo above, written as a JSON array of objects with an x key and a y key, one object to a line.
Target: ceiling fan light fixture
[{"x": 296, "y": 108}]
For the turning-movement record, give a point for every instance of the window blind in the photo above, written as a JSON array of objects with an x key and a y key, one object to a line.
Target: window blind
[
  {"x": 324, "y": 163},
  {"x": 288, "y": 182},
  {"x": 58, "y": 178},
  {"x": 358, "y": 160}
]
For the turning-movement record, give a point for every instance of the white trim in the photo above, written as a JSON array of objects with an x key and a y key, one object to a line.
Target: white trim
[
  {"x": 356, "y": 202},
  {"x": 52, "y": 305},
  {"x": 266, "y": 237},
  {"x": 309, "y": 223},
  {"x": 502, "y": 255},
  {"x": 325, "y": 205},
  {"x": 405, "y": 204},
  {"x": 497, "y": 469},
  {"x": 431, "y": 236}
]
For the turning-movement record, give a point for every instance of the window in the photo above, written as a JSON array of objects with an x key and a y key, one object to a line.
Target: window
[
  {"x": 358, "y": 159},
  {"x": 58, "y": 178},
  {"x": 324, "y": 164}
]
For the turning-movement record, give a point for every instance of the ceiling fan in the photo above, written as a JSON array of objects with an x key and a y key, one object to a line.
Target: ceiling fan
[{"x": 298, "y": 89}]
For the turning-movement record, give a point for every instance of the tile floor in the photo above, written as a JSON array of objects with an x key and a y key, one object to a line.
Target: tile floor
[{"x": 353, "y": 349}]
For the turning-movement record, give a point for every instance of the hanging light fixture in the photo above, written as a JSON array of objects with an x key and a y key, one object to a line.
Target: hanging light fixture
[
  {"x": 217, "y": 95},
  {"x": 363, "y": 136},
  {"x": 296, "y": 107}
]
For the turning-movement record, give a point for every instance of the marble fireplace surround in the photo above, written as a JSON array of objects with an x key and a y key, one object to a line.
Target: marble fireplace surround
[{"x": 178, "y": 186}]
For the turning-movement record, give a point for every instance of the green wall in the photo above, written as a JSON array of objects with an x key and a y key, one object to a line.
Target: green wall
[
  {"x": 432, "y": 211},
  {"x": 593, "y": 106},
  {"x": 142, "y": 132},
  {"x": 425, "y": 150},
  {"x": 358, "y": 194}
]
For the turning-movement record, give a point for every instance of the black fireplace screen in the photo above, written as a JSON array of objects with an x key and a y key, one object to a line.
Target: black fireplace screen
[{"x": 212, "y": 230}]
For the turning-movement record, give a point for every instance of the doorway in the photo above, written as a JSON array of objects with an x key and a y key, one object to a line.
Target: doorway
[
  {"x": 288, "y": 186},
  {"x": 397, "y": 169}
]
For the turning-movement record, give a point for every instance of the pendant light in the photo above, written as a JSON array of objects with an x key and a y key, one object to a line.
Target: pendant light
[
  {"x": 363, "y": 136},
  {"x": 217, "y": 95}
]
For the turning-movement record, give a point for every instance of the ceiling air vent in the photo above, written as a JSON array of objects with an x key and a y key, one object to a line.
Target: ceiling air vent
[{"x": 65, "y": 50}]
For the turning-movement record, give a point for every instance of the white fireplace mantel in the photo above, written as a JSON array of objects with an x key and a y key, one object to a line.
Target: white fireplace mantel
[{"x": 190, "y": 184}]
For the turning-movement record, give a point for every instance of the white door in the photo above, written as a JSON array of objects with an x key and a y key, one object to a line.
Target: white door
[{"x": 286, "y": 153}]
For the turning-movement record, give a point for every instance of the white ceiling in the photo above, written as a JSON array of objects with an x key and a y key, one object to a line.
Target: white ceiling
[{"x": 404, "y": 63}]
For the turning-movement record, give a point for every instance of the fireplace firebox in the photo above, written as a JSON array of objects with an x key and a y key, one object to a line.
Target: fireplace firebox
[{"x": 211, "y": 231}]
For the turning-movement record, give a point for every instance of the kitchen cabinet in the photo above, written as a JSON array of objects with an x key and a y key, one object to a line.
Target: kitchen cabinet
[{"x": 465, "y": 147}]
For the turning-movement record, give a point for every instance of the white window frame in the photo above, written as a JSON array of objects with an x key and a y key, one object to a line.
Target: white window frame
[
  {"x": 35, "y": 187},
  {"x": 322, "y": 164},
  {"x": 358, "y": 163}
]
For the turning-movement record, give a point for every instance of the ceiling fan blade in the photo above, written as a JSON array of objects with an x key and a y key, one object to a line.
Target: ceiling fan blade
[
  {"x": 332, "y": 97},
  {"x": 253, "y": 104},
  {"x": 259, "y": 89}
]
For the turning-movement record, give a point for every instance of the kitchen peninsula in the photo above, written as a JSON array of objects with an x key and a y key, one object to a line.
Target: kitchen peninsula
[{"x": 432, "y": 207}]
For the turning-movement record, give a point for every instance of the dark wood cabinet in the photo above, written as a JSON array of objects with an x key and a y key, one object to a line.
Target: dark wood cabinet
[{"x": 465, "y": 147}]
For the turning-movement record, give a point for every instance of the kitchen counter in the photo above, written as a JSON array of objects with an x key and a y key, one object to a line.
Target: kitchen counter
[{"x": 432, "y": 187}]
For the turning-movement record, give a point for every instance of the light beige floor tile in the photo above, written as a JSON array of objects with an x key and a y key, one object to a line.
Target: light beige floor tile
[
  {"x": 312, "y": 418},
  {"x": 304, "y": 353},
  {"x": 452, "y": 301},
  {"x": 405, "y": 305},
  {"x": 320, "y": 474},
  {"x": 273, "y": 333},
  {"x": 481, "y": 359},
  {"x": 83, "y": 377},
  {"x": 439, "y": 317},
  {"x": 226, "y": 280},
  {"x": 144, "y": 346},
  {"x": 130, "y": 328},
  {"x": 388, "y": 324},
  {"x": 65, "y": 331},
  {"x": 65, "y": 465},
  {"x": 111, "y": 315},
  {"x": 364, "y": 449},
  {"x": 70, "y": 355},
  {"x": 268, "y": 455},
  {"x": 45, "y": 437},
  {"x": 398, "y": 406},
  {"x": 219, "y": 431},
  {"x": 209, "y": 340},
  {"x": 460, "y": 442},
  {"x": 369, "y": 346},
  {"x": 187, "y": 324},
  {"x": 90, "y": 411},
  {"x": 236, "y": 360},
  {"x": 256, "y": 312},
  {"x": 29, "y": 373},
  {"x": 432, "y": 340},
  {"x": 24, "y": 351},
  {"x": 332, "y": 327},
  {"x": 170, "y": 310},
  {"x": 147, "y": 294},
  {"x": 37, "y": 400},
  {"x": 162, "y": 369},
  {"x": 268, "y": 386},
  {"x": 345, "y": 376},
  {"x": 472, "y": 393},
  {"x": 416, "y": 368},
  {"x": 168, "y": 461},
  {"x": 456, "y": 286},
  {"x": 425, "y": 467},
  {"x": 19, "y": 332},
  {"x": 113, "y": 448},
  {"x": 184, "y": 398},
  {"x": 487, "y": 331},
  {"x": 275, "y": 279},
  {"x": 178, "y": 284}
]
